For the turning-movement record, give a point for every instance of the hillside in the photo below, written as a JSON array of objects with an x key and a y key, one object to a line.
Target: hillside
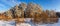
[{"x": 31, "y": 10}]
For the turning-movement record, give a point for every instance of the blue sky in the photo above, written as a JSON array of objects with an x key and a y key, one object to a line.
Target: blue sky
[{"x": 45, "y": 4}]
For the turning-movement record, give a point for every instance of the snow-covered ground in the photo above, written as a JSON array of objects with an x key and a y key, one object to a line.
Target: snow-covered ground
[
  {"x": 7, "y": 23},
  {"x": 55, "y": 24},
  {"x": 27, "y": 23}
]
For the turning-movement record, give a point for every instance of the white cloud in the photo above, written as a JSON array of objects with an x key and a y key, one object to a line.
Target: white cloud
[{"x": 9, "y": 3}]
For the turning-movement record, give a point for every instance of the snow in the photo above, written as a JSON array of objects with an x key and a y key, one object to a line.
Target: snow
[
  {"x": 27, "y": 19},
  {"x": 7, "y": 23},
  {"x": 32, "y": 24},
  {"x": 28, "y": 22},
  {"x": 24, "y": 24},
  {"x": 56, "y": 24}
]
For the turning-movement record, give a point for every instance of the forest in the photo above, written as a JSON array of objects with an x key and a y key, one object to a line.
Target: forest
[{"x": 30, "y": 10}]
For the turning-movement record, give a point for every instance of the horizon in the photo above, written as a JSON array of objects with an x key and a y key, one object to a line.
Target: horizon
[{"x": 45, "y": 4}]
